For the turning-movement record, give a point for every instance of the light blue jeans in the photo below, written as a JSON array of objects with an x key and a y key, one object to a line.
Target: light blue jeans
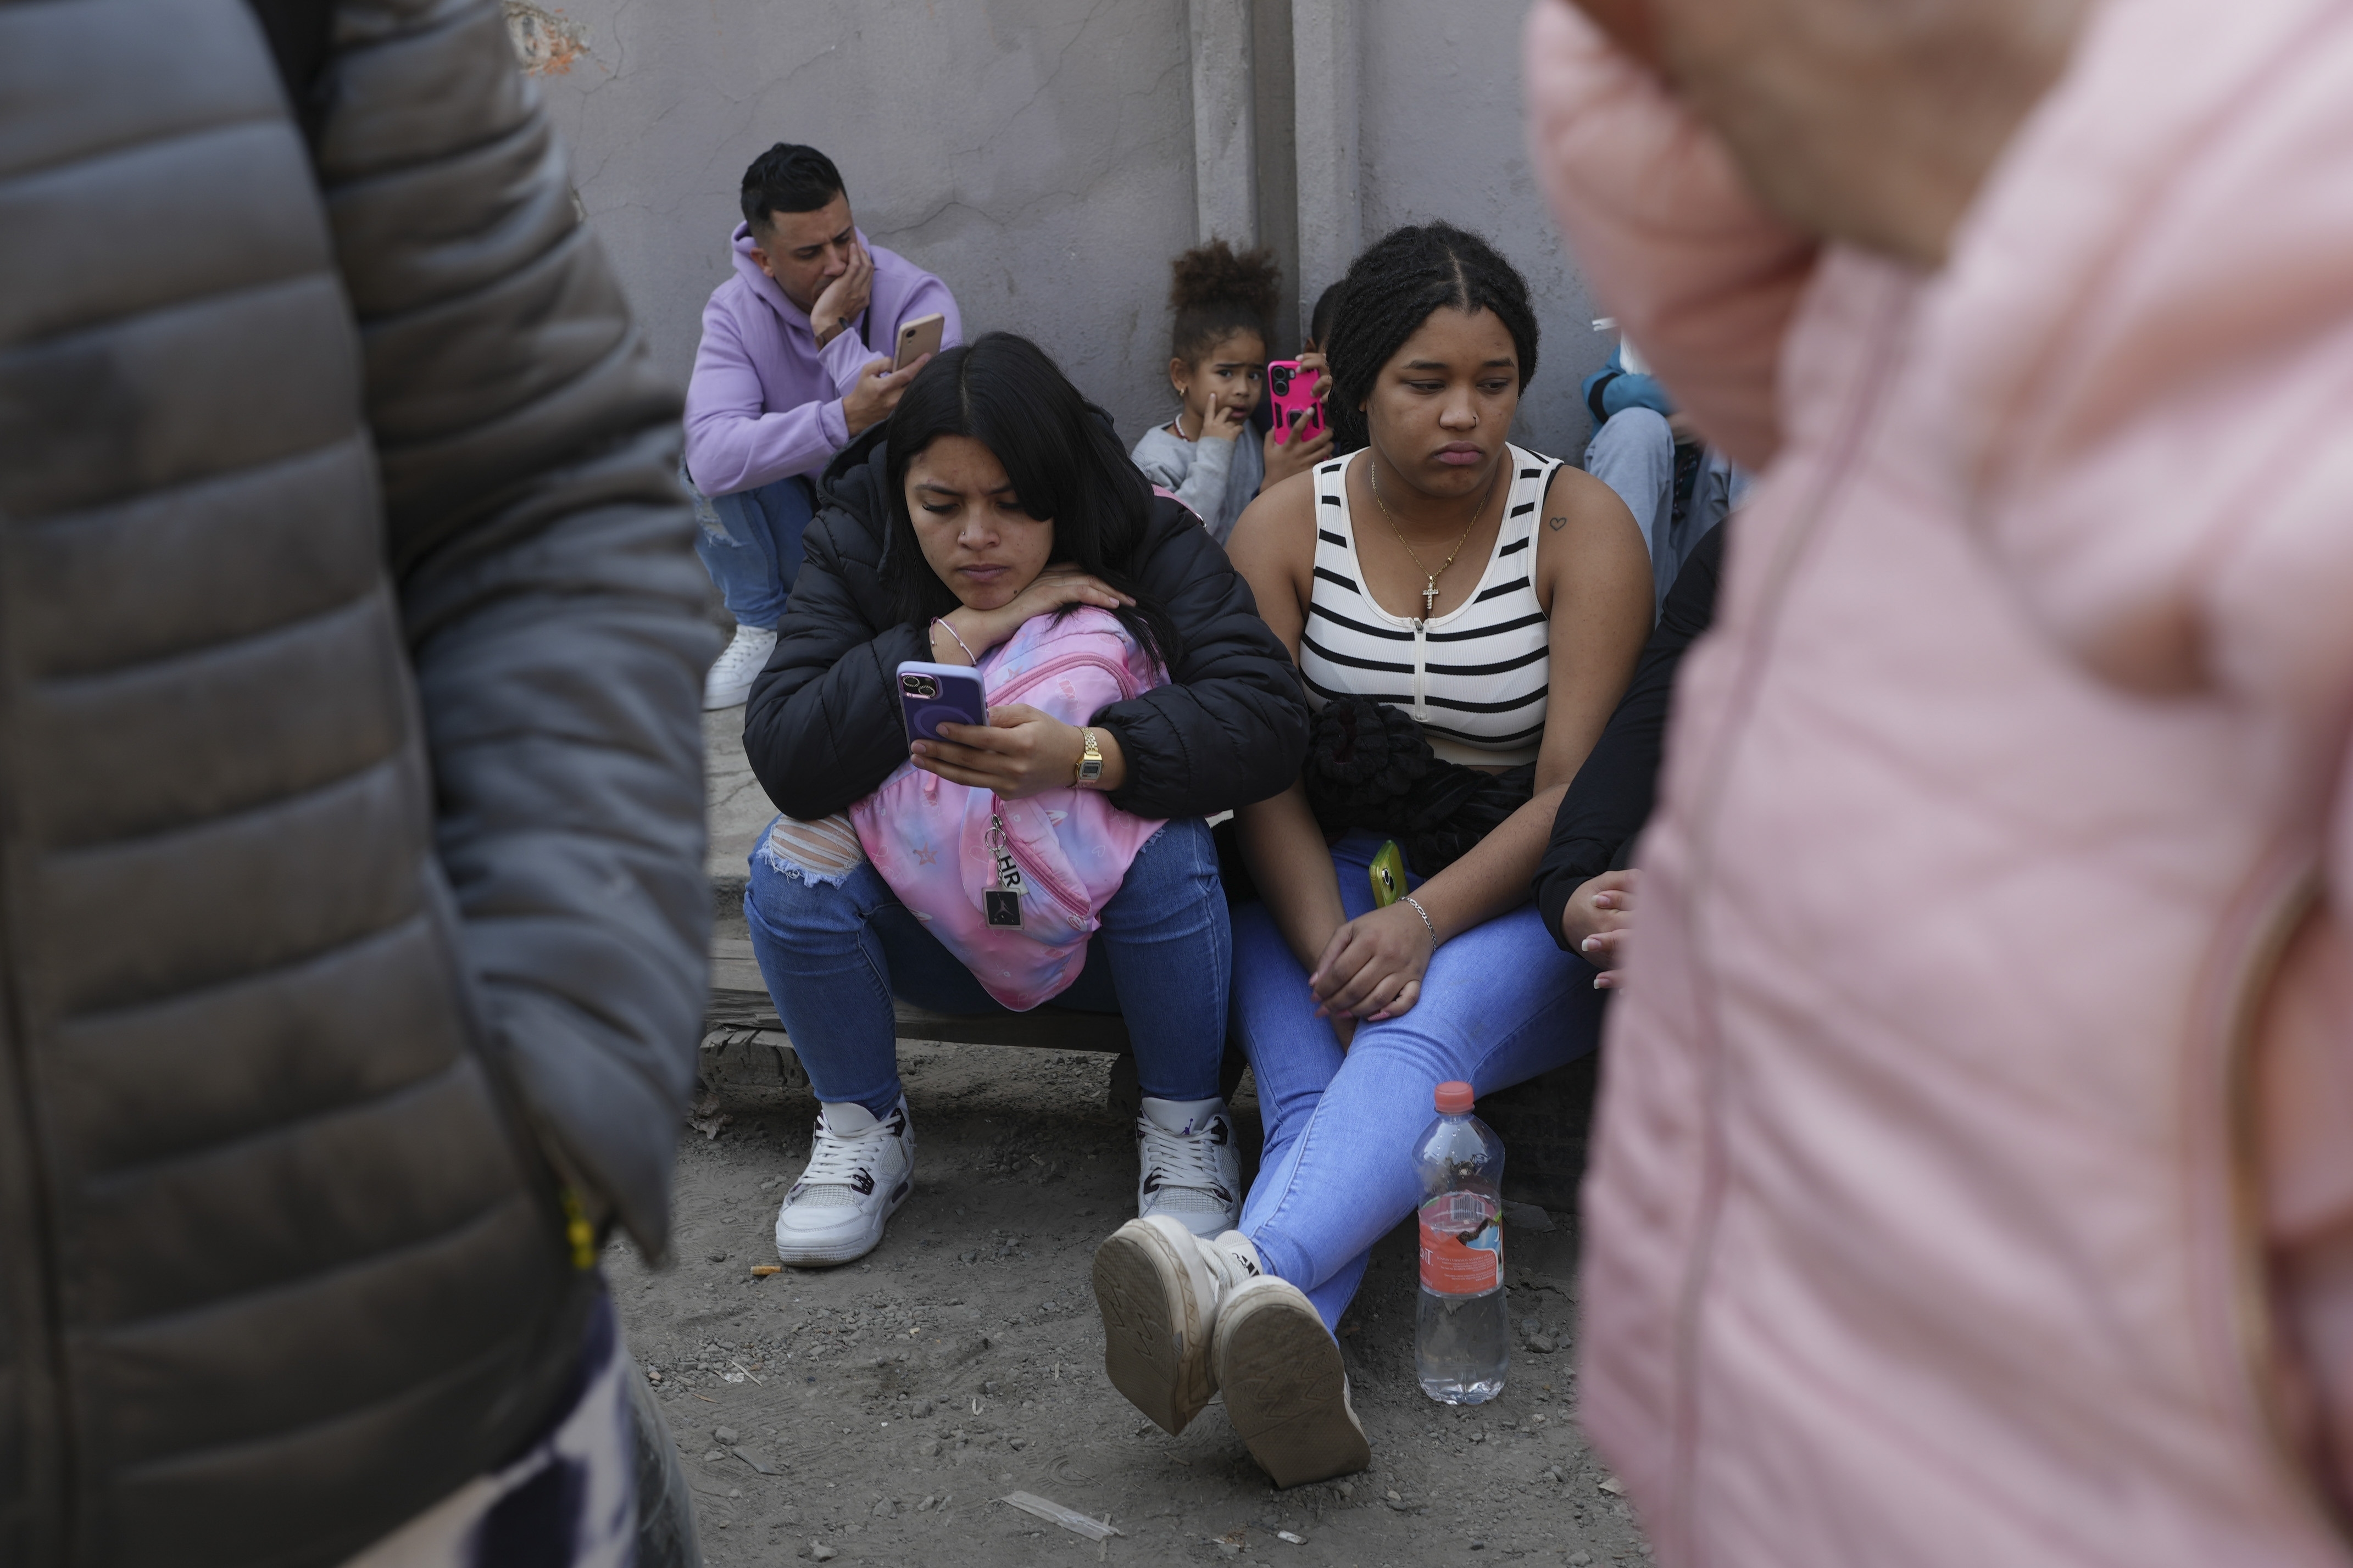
[
  {"x": 836, "y": 949},
  {"x": 1500, "y": 1005},
  {"x": 1634, "y": 453},
  {"x": 750, "y": 542}
]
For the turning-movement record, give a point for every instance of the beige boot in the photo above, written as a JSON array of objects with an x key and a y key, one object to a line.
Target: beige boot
[{"x": 1286, "y": 1392}]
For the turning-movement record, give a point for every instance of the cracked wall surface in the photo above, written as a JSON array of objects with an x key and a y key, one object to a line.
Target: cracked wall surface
[{"x": 1036, "y": 154}]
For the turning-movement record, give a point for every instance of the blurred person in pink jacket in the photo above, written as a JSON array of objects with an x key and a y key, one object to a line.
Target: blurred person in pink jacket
[{"x": 1974, "y": 1176}]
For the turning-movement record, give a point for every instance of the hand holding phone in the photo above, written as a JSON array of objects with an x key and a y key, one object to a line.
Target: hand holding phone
[
  {"x": 931, "y": 695},
  {"x": 918, "y": 338},
  {"x": 1295, "y": 390}
]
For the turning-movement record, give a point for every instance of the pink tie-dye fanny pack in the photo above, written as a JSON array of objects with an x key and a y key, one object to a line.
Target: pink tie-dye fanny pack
[{"x": 1070, "y": 849}]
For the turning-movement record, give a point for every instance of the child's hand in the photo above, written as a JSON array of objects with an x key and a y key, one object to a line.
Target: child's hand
[
  {"x": 1225, "y": 422},
  {"x": 1295, "y": 456}
]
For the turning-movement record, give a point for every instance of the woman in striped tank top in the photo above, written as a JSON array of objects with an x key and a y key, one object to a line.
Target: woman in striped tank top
[{"x": 1499, "y": 600}]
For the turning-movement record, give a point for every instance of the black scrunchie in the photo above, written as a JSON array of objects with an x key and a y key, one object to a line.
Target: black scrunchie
[{"x": 1368, "y": 767}]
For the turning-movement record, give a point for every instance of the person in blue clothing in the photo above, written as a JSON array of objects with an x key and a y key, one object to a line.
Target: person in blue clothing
[{"x": 1677, "y": 488}]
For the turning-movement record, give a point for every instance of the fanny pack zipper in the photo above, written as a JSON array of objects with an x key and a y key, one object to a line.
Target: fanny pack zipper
[{"x": 1073, "y": 900}]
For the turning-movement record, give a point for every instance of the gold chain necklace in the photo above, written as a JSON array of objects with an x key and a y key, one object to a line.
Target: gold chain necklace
[{"x": 1430, "y": 578}]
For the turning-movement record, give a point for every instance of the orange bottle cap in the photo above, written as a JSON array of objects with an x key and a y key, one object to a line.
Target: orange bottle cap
[{"x": 1455, "y": 1099}]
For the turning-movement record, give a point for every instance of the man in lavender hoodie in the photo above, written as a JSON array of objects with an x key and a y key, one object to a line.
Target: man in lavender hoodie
[{"x": 795, "y": 361}]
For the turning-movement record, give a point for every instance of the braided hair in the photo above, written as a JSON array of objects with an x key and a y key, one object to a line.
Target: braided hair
[
  {"x": 1214, "y": 293},
  {"x": 1397, "y": 285}
]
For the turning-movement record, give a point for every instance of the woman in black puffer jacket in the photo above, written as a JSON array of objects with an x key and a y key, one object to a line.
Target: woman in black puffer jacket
[{"x": 997, "y": 493}]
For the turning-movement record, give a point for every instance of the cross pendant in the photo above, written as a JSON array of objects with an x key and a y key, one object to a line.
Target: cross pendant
[{"x": 1430, "y": 598}]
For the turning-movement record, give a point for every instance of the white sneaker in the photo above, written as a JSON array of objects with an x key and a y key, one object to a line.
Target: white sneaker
[
  {"x": 1189, "y": 1171},
  {"x": 729, "y": 684},
  {"x": 1286, "y": 1392},
  {"x": 1158, "y": 1288},
  {"x": 860, "y": 1171}
]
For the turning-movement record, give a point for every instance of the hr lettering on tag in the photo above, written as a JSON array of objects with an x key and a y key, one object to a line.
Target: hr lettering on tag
[{"x": 1002, "y": 897}]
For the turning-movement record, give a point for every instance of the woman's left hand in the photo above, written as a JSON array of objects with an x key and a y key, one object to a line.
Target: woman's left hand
[
  {"x": 1019, "y": 753},
  {"x": 1372, "y": 967}
]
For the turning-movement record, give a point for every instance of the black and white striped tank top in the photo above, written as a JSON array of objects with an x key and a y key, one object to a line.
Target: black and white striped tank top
[{"x": 1475, "y": 678}]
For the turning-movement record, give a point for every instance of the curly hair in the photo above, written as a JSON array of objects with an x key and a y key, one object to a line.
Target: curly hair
[
  {"x": 1396, "y": 285},
  {"x": 1214, "y": 293}
]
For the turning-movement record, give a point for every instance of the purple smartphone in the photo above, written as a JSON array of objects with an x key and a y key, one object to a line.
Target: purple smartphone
[
  {"x": 931, "y": 695},
  {"x": 1292, "y": 390}
]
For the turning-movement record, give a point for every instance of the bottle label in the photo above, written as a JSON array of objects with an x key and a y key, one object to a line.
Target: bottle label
[{"x": 1462, "y": 1244}]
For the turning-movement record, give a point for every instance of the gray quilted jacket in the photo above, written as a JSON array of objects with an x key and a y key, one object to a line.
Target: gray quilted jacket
[{"x": 351, "y": 912}]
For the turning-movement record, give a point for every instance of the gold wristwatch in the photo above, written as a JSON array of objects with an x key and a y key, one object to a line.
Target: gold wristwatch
[{"x": 1090, "y": 761}]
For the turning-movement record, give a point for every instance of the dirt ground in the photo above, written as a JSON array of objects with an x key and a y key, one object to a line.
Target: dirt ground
[{"x": 877, "y": 1413}]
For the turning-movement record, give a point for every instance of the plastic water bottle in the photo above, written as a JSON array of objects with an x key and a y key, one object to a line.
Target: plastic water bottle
[{"x": 1462, "y": 1331}]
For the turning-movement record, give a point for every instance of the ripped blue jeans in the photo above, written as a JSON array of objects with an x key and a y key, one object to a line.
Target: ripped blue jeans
[{"x": 836, "y": 949}]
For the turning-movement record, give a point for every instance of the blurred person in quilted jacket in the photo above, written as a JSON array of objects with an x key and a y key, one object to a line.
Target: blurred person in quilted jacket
[
  {"x": 351, "y": 915},
  {"x": 1973, "y": 1181}
]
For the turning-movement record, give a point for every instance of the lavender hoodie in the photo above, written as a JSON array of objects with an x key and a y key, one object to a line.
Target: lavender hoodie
[{"x": 766, "y": 400}]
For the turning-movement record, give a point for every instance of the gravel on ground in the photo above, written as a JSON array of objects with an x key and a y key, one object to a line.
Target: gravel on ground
[{"x": 877, "y": 1413}]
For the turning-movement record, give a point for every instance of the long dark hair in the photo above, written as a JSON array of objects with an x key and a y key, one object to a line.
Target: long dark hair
[
  {"x": 1059, "y": 450},
  {"x": 1395, "y": 286}
]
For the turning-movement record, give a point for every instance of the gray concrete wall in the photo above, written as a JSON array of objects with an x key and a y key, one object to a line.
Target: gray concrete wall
[
  {"x": 1038, "y": 154},
  {"x": 1441, "y": 136}
]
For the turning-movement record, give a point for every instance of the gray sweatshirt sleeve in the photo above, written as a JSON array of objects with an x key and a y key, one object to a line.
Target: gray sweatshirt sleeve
[{"x": 1195, "y": 470}]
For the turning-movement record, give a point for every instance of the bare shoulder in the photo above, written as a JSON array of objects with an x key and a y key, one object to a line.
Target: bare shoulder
[
  {"x": 1576, "y": 497},
  {"x": 1589, "y": 536},
  {"x": 1275, "y": 536}
]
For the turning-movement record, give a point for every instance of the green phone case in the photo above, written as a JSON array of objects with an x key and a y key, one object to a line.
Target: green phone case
[{"x": 1388, "y": 872}]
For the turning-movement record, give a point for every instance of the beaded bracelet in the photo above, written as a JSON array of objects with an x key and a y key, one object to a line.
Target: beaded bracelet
[{"x": 942, "y": 622}]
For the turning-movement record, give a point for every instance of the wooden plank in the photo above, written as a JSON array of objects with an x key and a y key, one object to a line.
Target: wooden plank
[{"x": 739, "y": 999}]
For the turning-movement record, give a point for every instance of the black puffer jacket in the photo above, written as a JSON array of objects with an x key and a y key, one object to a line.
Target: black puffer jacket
[
  {"x": 823, "y": 730},
  {"x": 351, "y": 896}
]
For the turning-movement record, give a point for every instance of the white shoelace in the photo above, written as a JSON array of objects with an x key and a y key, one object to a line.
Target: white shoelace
[
  {"x": 1187, "y": 1164},
  {"x": 836, "y": 1160},
  {"x": 744, "y": 656}
]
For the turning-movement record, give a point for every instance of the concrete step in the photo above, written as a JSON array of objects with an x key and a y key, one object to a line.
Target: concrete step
[
  {"x": 737, "y": 808},
  {"x": 740, "y": 1000}
]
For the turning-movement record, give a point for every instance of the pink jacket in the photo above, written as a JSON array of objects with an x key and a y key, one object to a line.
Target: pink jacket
[
  {"x": 1974, "y": 1176},
  {"x": 930, "y": 840}
]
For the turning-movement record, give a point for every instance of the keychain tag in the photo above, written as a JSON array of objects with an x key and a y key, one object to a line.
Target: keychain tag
[{"x": 1002, "y": 897}]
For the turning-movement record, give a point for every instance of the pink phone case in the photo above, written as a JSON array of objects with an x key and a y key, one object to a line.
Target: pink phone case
[{"x": 1292, "y": 390}]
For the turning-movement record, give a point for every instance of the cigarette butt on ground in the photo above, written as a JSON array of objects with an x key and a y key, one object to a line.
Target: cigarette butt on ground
[{"x": 762, "y": 1270}]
